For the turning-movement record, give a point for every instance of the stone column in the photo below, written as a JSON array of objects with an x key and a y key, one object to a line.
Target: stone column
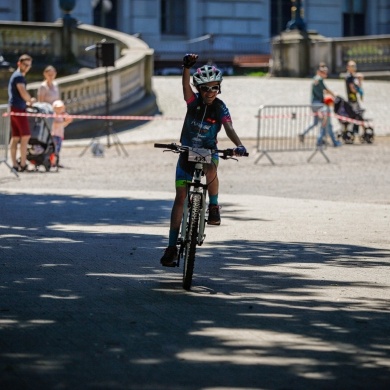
[
  {"x": 68, "y": 24},
  {"x": 291, "y": 53}
]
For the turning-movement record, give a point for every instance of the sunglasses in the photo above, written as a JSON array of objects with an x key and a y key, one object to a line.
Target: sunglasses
[{"x": 205, "y": 88}]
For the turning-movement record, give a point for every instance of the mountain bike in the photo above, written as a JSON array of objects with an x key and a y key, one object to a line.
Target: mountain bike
[{"x": 194, "y": 212}]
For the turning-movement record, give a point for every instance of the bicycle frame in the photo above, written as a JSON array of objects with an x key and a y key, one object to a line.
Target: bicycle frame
[{"x": 194, "y": 187}]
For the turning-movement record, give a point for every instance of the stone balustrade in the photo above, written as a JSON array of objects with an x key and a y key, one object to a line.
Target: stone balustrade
[
  {"x": 84, "y": 92},
  {"x": 297, "y": 54}
]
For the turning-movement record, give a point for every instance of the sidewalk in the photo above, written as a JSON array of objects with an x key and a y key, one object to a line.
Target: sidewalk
[
  {"x": 290, "y": 292},
  {"x": 287, "y": 293},
  {"x": 244, "y": 96}
]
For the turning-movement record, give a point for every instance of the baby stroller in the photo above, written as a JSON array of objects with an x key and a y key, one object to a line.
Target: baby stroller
[
  {"x": 347, "y": 115},
  {"x": 41, "y": 149}
]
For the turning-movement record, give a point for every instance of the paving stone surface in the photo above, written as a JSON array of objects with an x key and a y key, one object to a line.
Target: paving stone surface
[{"x": 290, "y": 292}]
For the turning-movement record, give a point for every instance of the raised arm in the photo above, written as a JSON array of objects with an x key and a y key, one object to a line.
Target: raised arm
[{"x": 189, "y": 60}]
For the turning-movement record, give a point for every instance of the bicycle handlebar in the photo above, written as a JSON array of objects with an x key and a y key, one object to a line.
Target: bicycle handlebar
[
  {"x": 181, "y": 149},
  {"x": 166, "y": 146}
]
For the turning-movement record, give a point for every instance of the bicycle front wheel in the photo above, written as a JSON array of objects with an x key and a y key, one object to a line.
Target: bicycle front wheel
[{"x": 191, "y": 241}]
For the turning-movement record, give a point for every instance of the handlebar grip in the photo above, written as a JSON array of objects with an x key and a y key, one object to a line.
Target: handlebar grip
[
  {"x": 230, "y": 152},
  {"x": 246, "y": 154},
  {"x": 166, "y": 146}
]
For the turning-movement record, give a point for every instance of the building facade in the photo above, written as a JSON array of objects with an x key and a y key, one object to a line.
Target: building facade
[{"x": 219, "y": 28}]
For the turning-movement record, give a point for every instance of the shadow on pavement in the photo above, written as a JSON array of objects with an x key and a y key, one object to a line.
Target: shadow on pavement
[{"x": 86, "y": 305}]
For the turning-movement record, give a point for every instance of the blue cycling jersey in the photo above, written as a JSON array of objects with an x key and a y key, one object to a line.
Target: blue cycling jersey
[
  {"x": 203, "y": 122},
  {"x": 200, "y": 129}
]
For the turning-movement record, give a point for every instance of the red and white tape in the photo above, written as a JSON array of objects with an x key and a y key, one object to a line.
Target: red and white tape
[
  {"x": 163, "y": 118},
  {"x": 102, "y": 117},
  {"x": 294, "y": 116}
]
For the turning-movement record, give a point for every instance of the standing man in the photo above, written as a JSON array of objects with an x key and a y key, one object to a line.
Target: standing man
[
  {"x": 318, "y": 89},
  {"x": 353, "y": 90},
  {"x": 19, "y": 98}
]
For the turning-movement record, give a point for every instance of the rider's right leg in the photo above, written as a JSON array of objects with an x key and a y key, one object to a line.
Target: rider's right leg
[
  {"x": 177, "y": 209},
  {"x": 170, "y": 255}
]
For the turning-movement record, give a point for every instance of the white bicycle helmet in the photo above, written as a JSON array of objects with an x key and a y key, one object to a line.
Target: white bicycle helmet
[{"x": 206, "y": 74}]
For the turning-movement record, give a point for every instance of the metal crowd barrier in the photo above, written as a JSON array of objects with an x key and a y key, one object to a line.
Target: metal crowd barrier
[
  {"x": 4, "y": 136},
  {"x": 279, "y": 127}
]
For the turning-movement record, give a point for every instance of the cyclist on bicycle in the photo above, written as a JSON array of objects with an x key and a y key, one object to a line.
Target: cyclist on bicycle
[{"x": 205, "y": 116}]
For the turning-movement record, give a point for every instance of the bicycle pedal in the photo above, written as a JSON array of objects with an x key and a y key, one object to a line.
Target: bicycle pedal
[{"x": 200, "y": 242}]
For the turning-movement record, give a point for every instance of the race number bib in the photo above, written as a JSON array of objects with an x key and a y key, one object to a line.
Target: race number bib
[{"x": 199, "y": 155}]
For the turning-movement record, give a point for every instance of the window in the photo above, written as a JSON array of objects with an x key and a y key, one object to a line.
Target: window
[
  {"x": 354, "y": 17},
  {"x": 35, "y": 11},
  {"x": 280, "y": 16},
  {"x": 105, "y": 14},
  {"x": 173, "y": 17}
]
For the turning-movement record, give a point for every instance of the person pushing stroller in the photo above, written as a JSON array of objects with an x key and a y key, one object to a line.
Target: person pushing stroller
[{"x": 318, "y": 91}]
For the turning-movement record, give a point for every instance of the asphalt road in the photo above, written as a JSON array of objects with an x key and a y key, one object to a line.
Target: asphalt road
[{"x": 290, "y": 292}]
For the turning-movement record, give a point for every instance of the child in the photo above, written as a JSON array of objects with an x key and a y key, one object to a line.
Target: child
[
  {"x": 58, "y": 127},
  {"x": 326, "y": 123},
  {"x": 206, "y": 114}
]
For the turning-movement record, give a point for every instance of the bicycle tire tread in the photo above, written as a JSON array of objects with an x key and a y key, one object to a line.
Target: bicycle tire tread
[{"x": 190, "y": 250}]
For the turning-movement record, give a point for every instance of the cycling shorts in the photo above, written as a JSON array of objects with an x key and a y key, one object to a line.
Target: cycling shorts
[{"x": 185, "y": 169}]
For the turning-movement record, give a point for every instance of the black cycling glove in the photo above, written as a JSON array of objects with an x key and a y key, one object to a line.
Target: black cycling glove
[
  {"x": 240, "y": 150},
  {"x": 188, "y": 61}
]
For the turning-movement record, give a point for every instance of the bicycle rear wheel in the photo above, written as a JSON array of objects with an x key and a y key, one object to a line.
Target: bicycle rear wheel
[{"x": 191, "y": 242}]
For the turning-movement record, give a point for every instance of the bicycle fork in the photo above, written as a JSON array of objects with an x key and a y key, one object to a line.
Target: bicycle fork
[
  {"x": 202, "y": 219},
  {"x": 200, "y": 188},
  {"x": 193, "y": 188}
]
